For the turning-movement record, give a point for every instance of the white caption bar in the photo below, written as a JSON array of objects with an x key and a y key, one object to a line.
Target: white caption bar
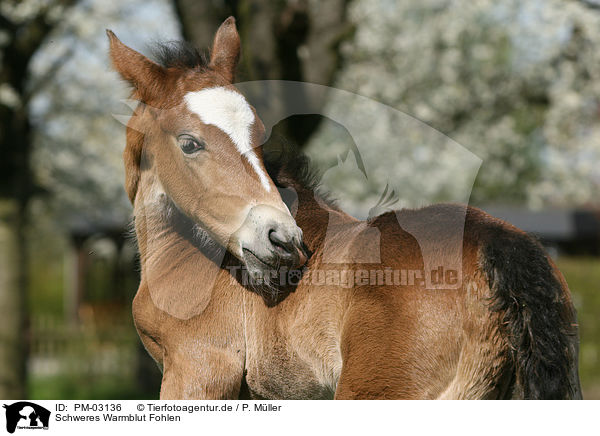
[{"x": 154, "y": 417}]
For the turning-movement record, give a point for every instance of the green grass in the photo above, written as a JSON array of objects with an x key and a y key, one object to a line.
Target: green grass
[{"x": 583, "y": 277}]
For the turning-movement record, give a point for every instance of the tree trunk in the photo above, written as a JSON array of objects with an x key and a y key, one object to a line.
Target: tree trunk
[
  {"x": 283, "y": 40},
  {"x": 15, "y": 193},
  {"x": 22, "y": 39},
  {"x": 13, "y": 301}
]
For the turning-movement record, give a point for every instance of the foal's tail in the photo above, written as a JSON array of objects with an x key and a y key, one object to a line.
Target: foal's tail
[{"x": 539, "y": 319}]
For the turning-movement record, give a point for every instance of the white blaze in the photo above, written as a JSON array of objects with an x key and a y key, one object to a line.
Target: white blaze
[{"x": 230, "y": 112}]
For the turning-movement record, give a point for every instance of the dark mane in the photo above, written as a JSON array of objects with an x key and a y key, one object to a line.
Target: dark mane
[
  {"x": 180, "y": 54},
  {"x": 289, "y": 167}
]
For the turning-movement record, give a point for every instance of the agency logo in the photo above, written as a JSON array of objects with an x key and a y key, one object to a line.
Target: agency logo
[{"x": 26, "y": 415}]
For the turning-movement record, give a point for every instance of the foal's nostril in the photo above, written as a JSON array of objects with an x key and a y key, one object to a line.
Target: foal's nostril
[
  {"x": 279, "y": 241},
  {"x": 290, "y": 250}
]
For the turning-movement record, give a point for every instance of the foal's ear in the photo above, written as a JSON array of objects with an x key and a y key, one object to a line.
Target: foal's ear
[
  {"x": 143, "y": 74},
  {"x": 226, "y": 50}
]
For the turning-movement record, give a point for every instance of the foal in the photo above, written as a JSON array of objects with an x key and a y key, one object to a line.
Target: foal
[{"x": 206, "y": 208}]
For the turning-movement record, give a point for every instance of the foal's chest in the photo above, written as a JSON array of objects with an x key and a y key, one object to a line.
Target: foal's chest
[
  {"x": 287, "y": 358},
  {"x": 280, "y": 374}
]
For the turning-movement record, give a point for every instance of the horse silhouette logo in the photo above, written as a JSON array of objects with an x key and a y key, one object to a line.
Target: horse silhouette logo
[{"x": 26, "y": 415}]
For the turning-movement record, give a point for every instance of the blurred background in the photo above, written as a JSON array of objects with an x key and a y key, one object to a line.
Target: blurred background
[{"x": 517, "y": 83}]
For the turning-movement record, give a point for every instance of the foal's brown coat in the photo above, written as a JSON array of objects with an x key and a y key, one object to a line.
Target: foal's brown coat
[{"x": 223, "y": 340}]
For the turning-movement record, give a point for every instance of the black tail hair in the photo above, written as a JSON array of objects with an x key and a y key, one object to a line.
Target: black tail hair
[{"x": 538, "y": 319}]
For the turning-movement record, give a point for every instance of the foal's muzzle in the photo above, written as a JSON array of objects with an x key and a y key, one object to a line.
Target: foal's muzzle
[
  {"x": 270, "y": 239},
  {"x": 287, "y": 245}
]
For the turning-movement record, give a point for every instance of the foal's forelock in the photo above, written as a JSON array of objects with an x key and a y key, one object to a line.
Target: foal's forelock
[{"x": 230, "y": 112}]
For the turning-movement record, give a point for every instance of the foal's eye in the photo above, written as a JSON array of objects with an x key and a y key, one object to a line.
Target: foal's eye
[{"x": 189, "y": 144}]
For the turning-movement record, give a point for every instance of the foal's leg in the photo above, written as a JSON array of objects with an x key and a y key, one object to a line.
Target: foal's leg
[
  {"x": 376, "y": 365},
  {"x": 362, "y": 380},
  {"x": 397, "y": 345},
  {"x": 201, "y": 357}
]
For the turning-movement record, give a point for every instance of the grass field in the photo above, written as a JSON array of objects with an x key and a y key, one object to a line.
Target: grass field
[{"x": 583, "y": 277}]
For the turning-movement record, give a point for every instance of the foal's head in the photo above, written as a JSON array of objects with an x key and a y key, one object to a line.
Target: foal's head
[{"x": 194, "y": 141}]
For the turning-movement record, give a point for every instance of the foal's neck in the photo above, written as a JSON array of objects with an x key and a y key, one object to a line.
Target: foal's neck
[
  {"x": 161, "y": 227},
  {"x": 181, "y": 265},
  {"x": 314, "y": 215}
]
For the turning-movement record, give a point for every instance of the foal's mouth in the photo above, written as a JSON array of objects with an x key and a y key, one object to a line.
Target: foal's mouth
[{"x": 254, "y": 256}]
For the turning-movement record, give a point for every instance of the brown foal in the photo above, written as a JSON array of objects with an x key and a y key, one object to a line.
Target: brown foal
[{"x": 214, "y": 233}]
